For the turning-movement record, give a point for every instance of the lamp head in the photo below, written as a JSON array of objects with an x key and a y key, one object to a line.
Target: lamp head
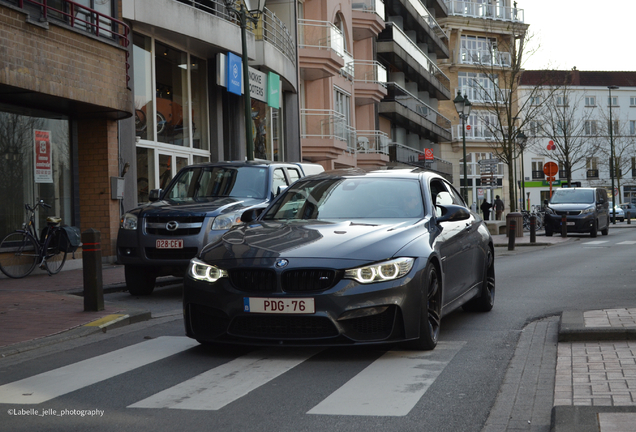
[{"x": 255, "y": 7}]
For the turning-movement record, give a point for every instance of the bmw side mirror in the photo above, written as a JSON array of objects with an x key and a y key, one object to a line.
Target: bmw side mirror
[
  {"x": 453, "y": 213},
  {"x": 251, "y": 214},
  {"x": 154, "y": 195}
]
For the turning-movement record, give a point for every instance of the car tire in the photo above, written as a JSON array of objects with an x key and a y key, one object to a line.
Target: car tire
[
  {"x": 140, "y": 281},
  {"x": 605, "y": 231},
  {"x": 594, "y": 229},
  {"x": 486, "y": 300},
  {"x": 431, "y": 311}
]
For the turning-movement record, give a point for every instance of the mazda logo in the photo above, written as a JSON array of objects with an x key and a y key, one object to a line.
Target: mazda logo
[
  {"x": 282, "y": 263},
  {"x": 172, "y": 225}
]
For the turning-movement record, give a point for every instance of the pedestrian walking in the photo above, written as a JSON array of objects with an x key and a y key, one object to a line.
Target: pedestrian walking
[
  {"x": 499, "y": 207},
  {"x": 485, "y": 208}
]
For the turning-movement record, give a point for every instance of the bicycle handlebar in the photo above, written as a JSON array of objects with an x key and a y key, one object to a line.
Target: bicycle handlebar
[{"x": 39, "y": 203}]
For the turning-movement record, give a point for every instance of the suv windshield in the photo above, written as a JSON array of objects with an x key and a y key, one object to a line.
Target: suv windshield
[
  {"x": 573, "y": 196},
  {"x": 199, "y": 184},
  {"x": 349, "y": 198}
]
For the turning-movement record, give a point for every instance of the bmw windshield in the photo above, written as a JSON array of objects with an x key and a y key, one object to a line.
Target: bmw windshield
[{"x": 349, "y": 198}]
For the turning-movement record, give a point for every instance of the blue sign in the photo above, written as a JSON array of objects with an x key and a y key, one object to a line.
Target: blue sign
[{"x": 234, "y": 73}]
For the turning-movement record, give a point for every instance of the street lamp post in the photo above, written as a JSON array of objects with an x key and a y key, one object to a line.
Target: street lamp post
[
  {"x": 249, "y": 10},
  {"x": 463, "y": 107},
  {"x": 521, "y": 142},
  {"x": 612, "y": 161}
]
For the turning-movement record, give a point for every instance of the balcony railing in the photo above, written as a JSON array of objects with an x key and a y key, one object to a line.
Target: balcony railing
[
  {"x": 426, "y": 16},
  {"x": 480, "y": 9},
  {"x": 369, "y": 71},
  {"x": 484, "y": 95},
  {"x": 320, "y": 34},
  {"x": 81, "y": 18},
  {"x": 372, "y": 141},
  {"x": 413, "y": 103},
  {"x": 270, "y": 28},
  {"x": 592, "y": 174},
  {"x": 476, "y": 133},
  {"x": 405, "y": 154},
  {"x": 348, "y": 70},
  {"x": 371, "y": 6},
  {"x": 414, "y": 51},
  {"x": 538, "y": 175},
  {"x": 485, "y": 57},
  {"x": 327, "y": 124}
]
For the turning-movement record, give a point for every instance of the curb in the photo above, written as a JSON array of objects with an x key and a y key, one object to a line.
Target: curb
[
  {"x": 566, "y": 418},
  {"x": 572, "y": 329}
]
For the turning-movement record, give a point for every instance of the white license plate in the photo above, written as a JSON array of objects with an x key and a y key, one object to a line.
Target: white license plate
[
  {"x": 169, "y": 244},
  {"x": 279, "y": 305},
  {"x": 570, "y": 223}
]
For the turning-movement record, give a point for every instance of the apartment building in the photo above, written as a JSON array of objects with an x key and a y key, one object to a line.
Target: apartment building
[
  {"x": 369, "y": 83},
  {"x": 573, "y": 129},
  {"x": 64, "y": 86},
  {"x": 480, "y": 34}
]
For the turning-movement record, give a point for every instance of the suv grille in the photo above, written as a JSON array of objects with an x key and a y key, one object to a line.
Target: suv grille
[
  {"x": 308, "y": 280},
  {"x": 253, "y": 280},
  {"x": 187, "y": 225},
  {"x": 569, "y": 213},
  {"x": 283, "y": 327}
]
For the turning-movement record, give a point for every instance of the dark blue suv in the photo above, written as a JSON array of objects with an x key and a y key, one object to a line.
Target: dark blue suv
[{"x": 585, "y": 210}]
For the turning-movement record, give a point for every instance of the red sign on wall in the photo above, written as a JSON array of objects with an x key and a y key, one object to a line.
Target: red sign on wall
[
  {"x": 428, "y": 154},
  {"x": 43, "y": 157}
]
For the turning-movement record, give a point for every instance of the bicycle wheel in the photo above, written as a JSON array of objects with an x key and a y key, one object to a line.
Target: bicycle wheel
[
  {"x": 19, "y": 254},
  {"x": 54, "y": 258}
]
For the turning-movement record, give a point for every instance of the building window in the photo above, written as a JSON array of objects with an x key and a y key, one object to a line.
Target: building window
[
  {"x": 590, "y": 127},
  {"x": 632, "y": 127},
  {"x": 537, "y": 169},
  {"x": 615, "y": 128},
  {"x": 535, "y": 100},
  {"x": 591, "y": 165},
  {"x": 562, "y": 101},
  {"x": 534, "y": 128},
  {"x": 613, "y": 101},
  {"x": 479, "y": 87},
  {"x": 22, "y": 181},
  {"x": 632, "y": 101},
  {"x": 590, "y": 101}
]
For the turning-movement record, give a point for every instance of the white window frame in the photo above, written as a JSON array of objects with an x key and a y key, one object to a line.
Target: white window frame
[{"x": 590, "y": 101}]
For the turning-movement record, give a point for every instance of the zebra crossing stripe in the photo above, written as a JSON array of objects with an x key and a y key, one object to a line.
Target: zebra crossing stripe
[
  {"x": 390, "y": 386},
  {"x": 629, "y": 242},
  {"x": 595, "y": 242},
  {"x": 214, "y": 389},
  {"x": 48, "y": 385}
]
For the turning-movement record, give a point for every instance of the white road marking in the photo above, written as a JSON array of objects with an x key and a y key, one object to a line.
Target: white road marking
[
  {"x": 214, "y": 389},
  {"x": 595, "y": 242},
  {"x": 48, "y": 385},
  {"x": 629, "y": 242},
  {"x": 390, "y": 386}
]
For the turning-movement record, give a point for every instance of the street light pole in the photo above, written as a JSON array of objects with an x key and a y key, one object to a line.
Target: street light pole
[
  {"x": 248, "y": 12},
  {"x": 521, "y": 142},
  {"x": 612, "y": 161},
  {"x": 463, "y": 108}
]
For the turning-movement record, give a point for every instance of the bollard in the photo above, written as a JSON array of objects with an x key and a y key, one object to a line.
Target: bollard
[
  {"x": 512, "y": 226},
  {"x": 628, "y": 217},
  {"x": 564, "y": 226},
  {"x": 92, "y": 266},
  {"x": 533, "y": 229}
]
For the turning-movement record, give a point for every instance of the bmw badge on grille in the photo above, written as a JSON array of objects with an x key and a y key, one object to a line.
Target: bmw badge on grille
[{"x": 281, "y": 263}]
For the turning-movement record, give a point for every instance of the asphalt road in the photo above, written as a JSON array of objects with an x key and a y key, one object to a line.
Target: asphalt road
[{"x": 148, "y": 376}]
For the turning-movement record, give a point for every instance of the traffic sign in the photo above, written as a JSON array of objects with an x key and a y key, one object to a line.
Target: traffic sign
[
  {"x": 550, "y": 169},
  {"x": 467, "y": 127},
  {"x": 494, "y": 161}
]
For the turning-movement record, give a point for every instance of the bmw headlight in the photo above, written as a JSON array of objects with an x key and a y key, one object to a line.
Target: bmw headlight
[
  {"x": 128, "y": 222},
  {"x": 380, "y": 272},
  {"x": 588, "y": 210},
  {"x": 227, "y": 221},
  {"x": 205, "y": 272}
]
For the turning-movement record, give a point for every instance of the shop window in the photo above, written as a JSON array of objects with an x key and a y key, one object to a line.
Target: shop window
[
  {"x": 145, "y": 173},
  {"x": 142, "y": 59},
  {"x": 171, "y": 95}
]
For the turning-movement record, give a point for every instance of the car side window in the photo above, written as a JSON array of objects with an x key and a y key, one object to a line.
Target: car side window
[
  {"x": 439, "y": 196},
  {"x": 457, "y": 198},
  {"x": 278, "y": 180},
  {"x": 293, "y": 174}
]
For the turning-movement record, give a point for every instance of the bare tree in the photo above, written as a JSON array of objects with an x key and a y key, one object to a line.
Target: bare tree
[{"x": 573, "y": 129}]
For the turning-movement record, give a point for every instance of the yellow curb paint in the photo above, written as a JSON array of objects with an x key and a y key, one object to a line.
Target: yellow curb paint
[{"x": 105, "y": 320}]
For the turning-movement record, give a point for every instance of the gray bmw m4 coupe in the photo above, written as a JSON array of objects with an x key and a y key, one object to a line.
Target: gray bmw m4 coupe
[{"x": 341, "y": 258}]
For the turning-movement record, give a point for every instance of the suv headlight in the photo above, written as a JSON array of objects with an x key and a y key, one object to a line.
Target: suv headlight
[
  {"x": 227, "y": 221},
  {"x": 548, "y": 210},
  {"x": 380, "y": 272},
  {"x": 128, "y": 222},
  {"x": 588, "y": 210},
  {"x": 205, "y": 272}
]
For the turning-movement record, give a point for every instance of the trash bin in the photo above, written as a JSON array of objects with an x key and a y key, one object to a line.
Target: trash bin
[{"x": 518, "y": 217}]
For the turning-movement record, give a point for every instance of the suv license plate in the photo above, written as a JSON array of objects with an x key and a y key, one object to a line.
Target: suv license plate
[
  {"x": 169, "y": 244},
  {"x": 279, "y": 305}
]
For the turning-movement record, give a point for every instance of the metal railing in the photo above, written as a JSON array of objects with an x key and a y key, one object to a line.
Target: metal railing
[
  {"x": 369, "y": 71},
  {"x": 481, "y": 9},
  {"x": 405, "y": 98},
  {"x": 372, "y": 141},
  {"x": 476, "y": 132},
  {"x": 320, "y": 34},
  {"x": 327, "y": 124},
  {"x": 270, "y": 28},
  {"x": 591, "y": 173},
  {"x": 348, "y": 70},
  {"x": 485, "y": 57},
  {"x": 399, "y": 37},
  {"x": 428, "y": 18},
  {"x": 405, "y": 154},
  {"x": 82, "y": 18},
  {"x": 538, "y": 175},
  {"x": 484, "y": 95},
  {"x": 371, "y": 6}
]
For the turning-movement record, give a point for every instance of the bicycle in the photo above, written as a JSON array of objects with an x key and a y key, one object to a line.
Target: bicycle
[
  {"x": 526, "y": 219},
  {"x": 23, "y": 249}
]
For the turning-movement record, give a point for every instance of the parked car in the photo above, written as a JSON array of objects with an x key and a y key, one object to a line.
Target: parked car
[
  {"x": 585, "y": 209},
  {"x": 629, "y": 208},
  {"x": 200, "y": 204},
  {"x": 618, "y": 212},
  {"x": 340, "y": 258}
]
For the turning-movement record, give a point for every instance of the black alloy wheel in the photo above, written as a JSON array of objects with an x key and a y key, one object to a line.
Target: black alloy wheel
[
  {"x": 486, "y": 300},
  {"x": 431, "y": 311},
  {"x": 140, "y": 281}
]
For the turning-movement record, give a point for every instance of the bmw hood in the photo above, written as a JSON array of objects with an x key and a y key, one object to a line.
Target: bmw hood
[
  {"x": 213, "y": 207},
  {"x": 340, "y": 240}
]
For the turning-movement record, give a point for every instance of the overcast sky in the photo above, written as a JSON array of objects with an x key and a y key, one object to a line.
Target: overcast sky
[{"x": 589, "y": 34}]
